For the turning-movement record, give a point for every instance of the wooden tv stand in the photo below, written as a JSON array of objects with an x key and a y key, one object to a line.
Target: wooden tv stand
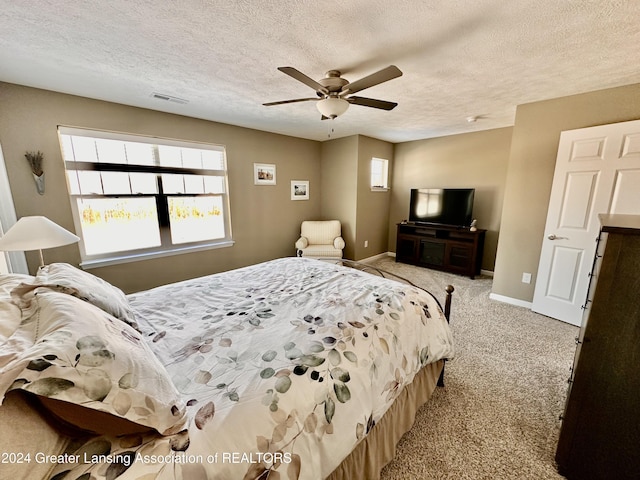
[{"x": 450, "y": 249}]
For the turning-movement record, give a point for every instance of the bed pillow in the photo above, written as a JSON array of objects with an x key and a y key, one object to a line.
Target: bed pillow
[
  {"x": 85, "y": 357},
  {"x": 9, "y": 312},
  {"x": 87, "y": 287}
]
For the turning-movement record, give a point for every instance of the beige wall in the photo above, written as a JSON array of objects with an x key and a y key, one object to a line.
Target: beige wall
[
  {"x": 373, "y": 206},
  {"x": 265, "y": 221},
  {"x": 531, "y": 165},
  {"x": 339, "y": 179},
  {"x": 511, "y": 169},
  {"x": 473, "y": 160},
  {"x": 347, "y": 195}
]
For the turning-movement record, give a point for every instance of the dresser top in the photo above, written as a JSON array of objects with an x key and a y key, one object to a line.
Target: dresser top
[{"x": 627, "y": 224}]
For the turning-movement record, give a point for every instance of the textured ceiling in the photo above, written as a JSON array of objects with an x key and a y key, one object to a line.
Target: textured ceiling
[{"x": 460, "y": 58}]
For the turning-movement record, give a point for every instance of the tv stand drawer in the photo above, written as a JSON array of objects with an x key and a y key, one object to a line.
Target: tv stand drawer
[{"x": 426, "y": 232}]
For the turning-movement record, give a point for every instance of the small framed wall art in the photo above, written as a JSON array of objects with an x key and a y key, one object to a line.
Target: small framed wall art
[
  {"x": 299, "y": 190},
  {"x": 264, "y": 174}
]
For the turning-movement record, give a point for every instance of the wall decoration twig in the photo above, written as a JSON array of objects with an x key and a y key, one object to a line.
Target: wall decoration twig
[{"x": 35, "y": 163}]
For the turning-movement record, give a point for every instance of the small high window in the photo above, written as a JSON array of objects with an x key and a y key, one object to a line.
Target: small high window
[{"x": 379, "y": 174}]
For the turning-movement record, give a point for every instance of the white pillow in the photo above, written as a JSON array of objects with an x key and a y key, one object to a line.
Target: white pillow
[
  {"x": 85, "y": 357},
  {"x": 9, "y": 312},
  {"x": 71, "y": 280}
]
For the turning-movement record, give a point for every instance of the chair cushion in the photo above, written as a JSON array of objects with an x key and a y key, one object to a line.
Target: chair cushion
[
  {"x": 323, "y": 251},
  {"x": 321, "y": 232}
]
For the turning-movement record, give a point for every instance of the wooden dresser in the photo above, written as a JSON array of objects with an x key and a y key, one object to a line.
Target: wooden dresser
[{"x": 600, "y": 435}]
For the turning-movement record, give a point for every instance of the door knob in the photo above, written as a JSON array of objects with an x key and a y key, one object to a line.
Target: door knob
[{"x": 554, "y": 237}]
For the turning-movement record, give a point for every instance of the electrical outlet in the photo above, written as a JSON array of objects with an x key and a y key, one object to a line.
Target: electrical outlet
[
  {"x": 526, "y": 277},
  {"x": 366, "y": 243}
]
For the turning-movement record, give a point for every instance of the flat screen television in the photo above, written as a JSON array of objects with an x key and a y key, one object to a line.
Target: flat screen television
[{"x": 442, "y": 206}]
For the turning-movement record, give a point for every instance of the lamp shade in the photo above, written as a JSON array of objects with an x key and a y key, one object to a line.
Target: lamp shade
[
  {"x": 36, "y": 233},
  {"x": 332, "y": 107}
]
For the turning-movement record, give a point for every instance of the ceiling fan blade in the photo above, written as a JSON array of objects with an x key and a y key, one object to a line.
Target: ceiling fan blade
[
  {"x": 290, "y": 101},
  {"x": 380, "y": 76},
  {"x": 301, "y": 77},
  {"x": 372, "y": 102}
]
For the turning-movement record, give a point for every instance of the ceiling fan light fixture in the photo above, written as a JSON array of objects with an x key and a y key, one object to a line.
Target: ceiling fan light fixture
[{"x": 332, "y": 107}]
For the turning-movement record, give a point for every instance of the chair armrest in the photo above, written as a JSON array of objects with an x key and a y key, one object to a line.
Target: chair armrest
[
  {"x": 338, "y": 242},
  {"x": 302, "y": 242}
]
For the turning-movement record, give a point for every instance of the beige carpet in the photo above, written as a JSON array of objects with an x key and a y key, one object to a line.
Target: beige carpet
[{"x": 497, "y": 416}]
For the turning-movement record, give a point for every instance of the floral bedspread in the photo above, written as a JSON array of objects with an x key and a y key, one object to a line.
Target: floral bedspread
[{"x": 284, "y": 367}]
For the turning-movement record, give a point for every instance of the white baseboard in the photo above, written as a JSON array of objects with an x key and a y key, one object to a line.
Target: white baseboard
[
  {"x": 492, "y": 296},
  {"x": 376, "y": 257},
  {"x": 510, "y": 300}
]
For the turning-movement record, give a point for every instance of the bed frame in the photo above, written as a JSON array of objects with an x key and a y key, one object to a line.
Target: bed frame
[
  {"x": 378, "y": 448},
  {"x": 385, "y": 274},
  {"x": 366, "y": 461},
  {"x": 365, "y": 267}
]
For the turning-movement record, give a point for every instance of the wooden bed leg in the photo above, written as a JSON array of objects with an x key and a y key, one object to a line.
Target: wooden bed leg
[
  {"x": 447, "y": 314},
  {"x": 441, "y": 377}
]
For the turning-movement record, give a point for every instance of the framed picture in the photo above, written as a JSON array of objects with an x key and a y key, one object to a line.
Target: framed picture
[
  {"x": 299, "y": 190},
  {"x": 264, "y": 174}
]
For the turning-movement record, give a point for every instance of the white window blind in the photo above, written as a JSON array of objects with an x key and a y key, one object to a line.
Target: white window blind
[
  {"x": 379, "y": 174},
  {"x": 135, "y": 196}
]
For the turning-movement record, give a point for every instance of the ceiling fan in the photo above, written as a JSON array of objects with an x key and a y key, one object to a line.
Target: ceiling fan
[{"x": 334, "y": 92}]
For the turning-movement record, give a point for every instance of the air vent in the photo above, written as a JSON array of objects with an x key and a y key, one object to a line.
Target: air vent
[{"x": 169, "y": 98}]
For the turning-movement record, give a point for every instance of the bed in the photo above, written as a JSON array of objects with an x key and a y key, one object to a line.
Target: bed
[{"x": 290, "y": 369}]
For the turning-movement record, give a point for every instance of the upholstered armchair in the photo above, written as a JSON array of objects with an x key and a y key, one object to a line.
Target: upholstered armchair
[{"x": 320, "y": 239}]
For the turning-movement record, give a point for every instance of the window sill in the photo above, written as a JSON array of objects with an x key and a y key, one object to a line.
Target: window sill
[
  {"x": 380, "y": 189},
  {"x": 129, "y": 258}
]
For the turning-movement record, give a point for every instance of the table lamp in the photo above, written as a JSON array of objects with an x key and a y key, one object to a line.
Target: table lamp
[{"x": 36, "y": 233}]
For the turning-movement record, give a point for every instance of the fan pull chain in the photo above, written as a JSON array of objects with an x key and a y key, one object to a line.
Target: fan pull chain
[{"x": 330, "y": 128}]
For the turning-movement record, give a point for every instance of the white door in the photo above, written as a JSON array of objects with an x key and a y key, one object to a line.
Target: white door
[{"x": 597, "y": 171}]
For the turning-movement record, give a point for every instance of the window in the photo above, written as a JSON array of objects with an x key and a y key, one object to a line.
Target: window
[
  {"x": 135, "y": 197},
  {"x": 379, "y": 174}
]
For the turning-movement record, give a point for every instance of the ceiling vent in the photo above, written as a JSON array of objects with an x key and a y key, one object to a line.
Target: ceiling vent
[{"x": 169, "y": 98}]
